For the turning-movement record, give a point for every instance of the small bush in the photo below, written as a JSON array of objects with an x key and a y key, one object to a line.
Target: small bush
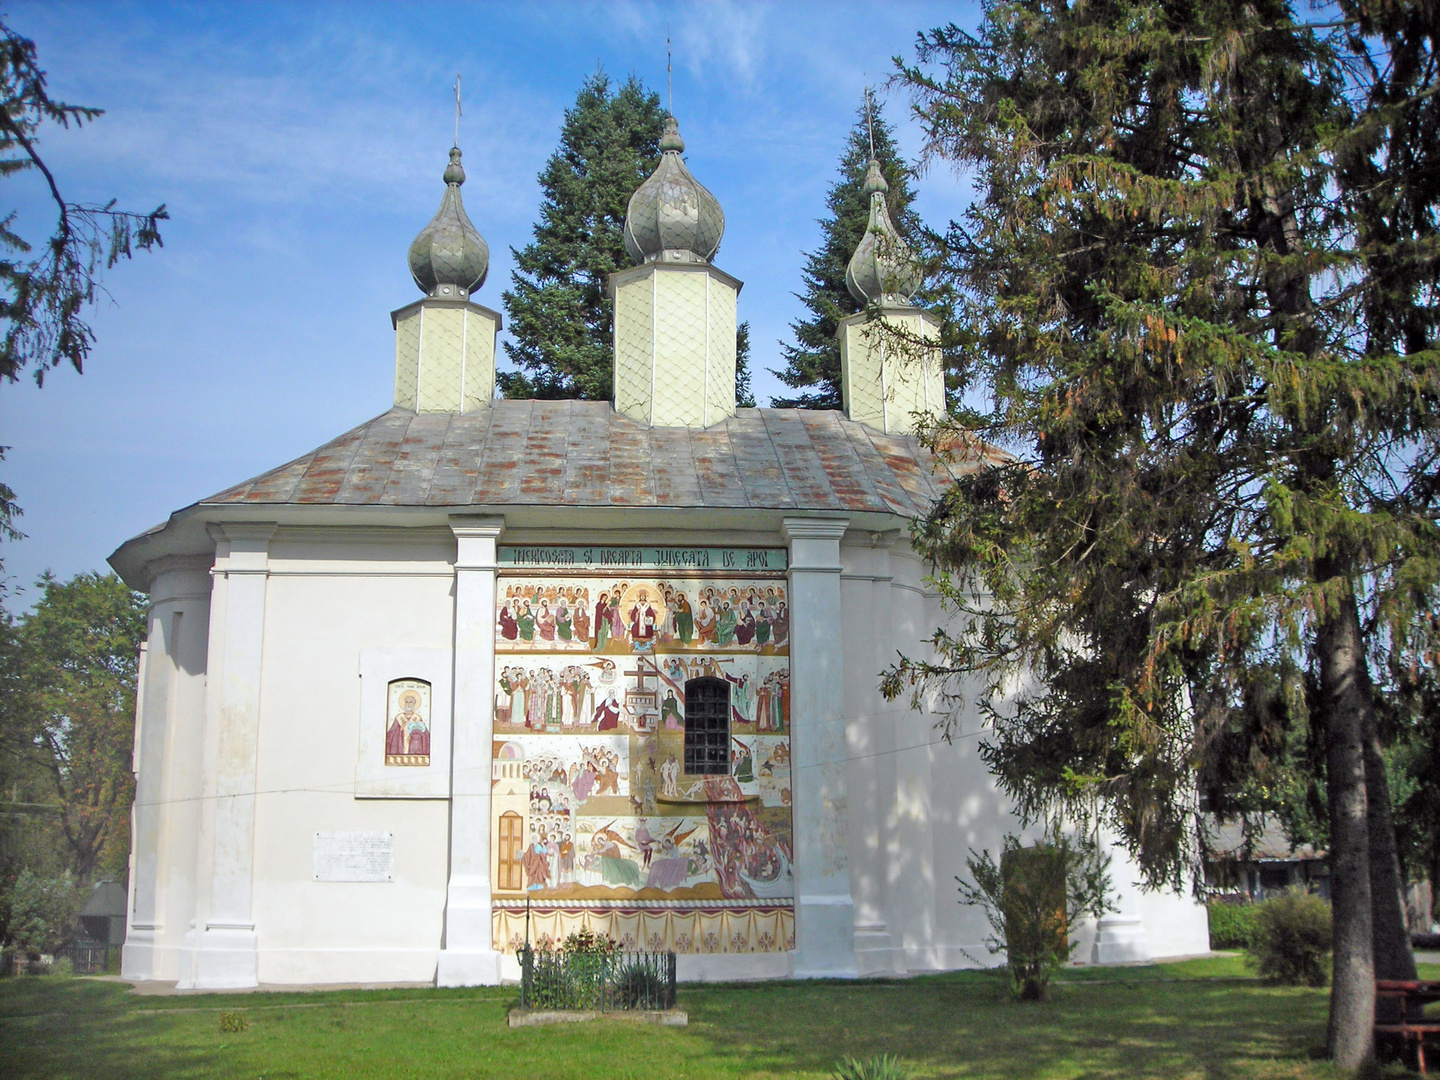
[
  {"x": 878, "y": 1068},
  {"x": 43, "y": 911},
  {"x": 1290, "y": 940},
  {"x": 63, "y": 966},
  {"x": 1230, "y": 924},
  {"x": 637, "y": 987},
  {"x": 1032, "y": 897},
  {"x": 233, "y": 1022}
]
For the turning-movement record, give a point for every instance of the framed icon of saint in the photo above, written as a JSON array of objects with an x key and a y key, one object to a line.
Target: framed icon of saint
[{"x": 407, "y": 725}]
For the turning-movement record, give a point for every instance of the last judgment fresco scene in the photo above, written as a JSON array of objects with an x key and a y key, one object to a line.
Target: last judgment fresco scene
[{"x": 596, "y": 821}]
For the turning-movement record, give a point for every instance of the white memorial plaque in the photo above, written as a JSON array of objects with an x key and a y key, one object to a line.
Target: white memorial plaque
[{"x": 354, "y": 856}]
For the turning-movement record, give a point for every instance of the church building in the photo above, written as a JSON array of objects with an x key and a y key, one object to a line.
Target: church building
[{"x": 484, "y": 670}]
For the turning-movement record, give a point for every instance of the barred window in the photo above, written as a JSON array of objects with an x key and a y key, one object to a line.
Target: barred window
[{"x": 707, "y": 727}]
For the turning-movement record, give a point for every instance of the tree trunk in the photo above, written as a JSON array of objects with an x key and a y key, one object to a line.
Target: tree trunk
[
  {"x": 1344, "y": 692},
  {"x": 1393, "y": 958}
]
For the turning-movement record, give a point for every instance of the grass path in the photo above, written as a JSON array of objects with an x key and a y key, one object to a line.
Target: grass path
[{"x": 1202, "y": 1019}]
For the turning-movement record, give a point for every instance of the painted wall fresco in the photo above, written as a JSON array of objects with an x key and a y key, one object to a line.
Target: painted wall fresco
[
  {"x": 595, "y": 822},
  {"x": 407, "y": 733}
]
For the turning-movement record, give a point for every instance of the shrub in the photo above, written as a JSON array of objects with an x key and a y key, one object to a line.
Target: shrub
[
  {"x": 1032, "y": 897},
  {"x": 62, "y": 966},
  {"x": 1290, "y": 939},
  {"x": 637, "y": 986},
  {"x": 878, "y": 1068},
  {"x": 43, "y": 912},
  {"x": 1230, "y": 924},
  {"x": 233, "y": 1022}
]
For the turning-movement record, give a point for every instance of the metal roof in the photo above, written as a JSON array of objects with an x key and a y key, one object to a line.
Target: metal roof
[{"x": 584, "y": 453}]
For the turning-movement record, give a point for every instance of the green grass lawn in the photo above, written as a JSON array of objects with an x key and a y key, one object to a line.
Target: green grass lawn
[{"x": 1202, "y": 1019}]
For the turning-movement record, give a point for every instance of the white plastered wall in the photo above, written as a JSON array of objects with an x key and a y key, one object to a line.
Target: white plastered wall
[
  {"x": 332, "y": 596},
  {"x": 919, "y": 805},
  {"x": 916, "y": 805}
]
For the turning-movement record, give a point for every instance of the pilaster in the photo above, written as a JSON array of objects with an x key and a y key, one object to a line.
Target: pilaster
[
  {"x": 824, "y": 909},
  {"x": 226, "y": 951},
  {"x": 1120, "y": 935},
  {"x": 161, "y": 879},
  {"x": 468, "y": 957}
]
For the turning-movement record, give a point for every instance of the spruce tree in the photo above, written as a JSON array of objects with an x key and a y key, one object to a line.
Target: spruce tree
[
  {"x": 812, "y": 360},
  {"x": 559, "y": 314},
  {"x": 1199, "y": 280}
]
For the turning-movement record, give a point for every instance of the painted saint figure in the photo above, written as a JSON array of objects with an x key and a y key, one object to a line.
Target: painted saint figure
[
  {"x": 684, "y": 619},
  {"x": 642, "y": 620},
  {"x": 602, "y": 621},
  {"x": 607, "y": 714},
  {"x": 509, "y": 628},
  {"x": 407, "y": 736}
]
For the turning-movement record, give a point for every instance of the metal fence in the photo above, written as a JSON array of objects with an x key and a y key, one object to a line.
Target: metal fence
[
  {"x": 89, "y": 958},
  {"x": 600, "y": 981}
]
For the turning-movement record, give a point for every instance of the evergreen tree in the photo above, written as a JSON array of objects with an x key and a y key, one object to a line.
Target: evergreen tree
[
  {"x": 812, "y": 361},
  {"x": 560, "y": 317},
  {"x": 1183, "y": 215},
  {"x": 744, "y": 398},
  {"x": 43, "y": 298}
]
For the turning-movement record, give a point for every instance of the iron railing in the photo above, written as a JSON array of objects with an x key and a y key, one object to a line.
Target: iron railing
[
  {"x": 89, "y": 958},
  {"x": 604, "y": 982}
]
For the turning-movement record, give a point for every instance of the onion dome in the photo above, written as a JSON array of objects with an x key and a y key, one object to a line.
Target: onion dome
[
  {"x": 450, "y": 257},
  {"x": 883, "y": 268},
  {"x": 672, "y": 218}
]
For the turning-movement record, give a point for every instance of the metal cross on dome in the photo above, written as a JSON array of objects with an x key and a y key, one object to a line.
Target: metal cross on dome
[{"x": 457, "y": 108}]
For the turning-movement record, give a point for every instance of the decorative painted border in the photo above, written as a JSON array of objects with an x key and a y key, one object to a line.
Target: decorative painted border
[{"x": 604, "y": 559}]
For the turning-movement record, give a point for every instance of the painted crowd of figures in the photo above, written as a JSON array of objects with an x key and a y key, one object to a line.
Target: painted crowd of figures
[
  {"x": 571, "y": 826},
  {"x": 591, "y": 694},
  {"x": 730, "y": 845},
  {"x": 625, "y": 616}
]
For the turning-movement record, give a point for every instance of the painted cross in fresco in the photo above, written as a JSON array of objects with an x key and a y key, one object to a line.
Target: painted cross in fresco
[{"x": 641, "y": 702}]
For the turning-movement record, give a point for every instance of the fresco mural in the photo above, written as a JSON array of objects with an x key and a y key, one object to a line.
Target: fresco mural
[
  {"x": 407, "y": 732},
  {"x": 595, "y": 822}
]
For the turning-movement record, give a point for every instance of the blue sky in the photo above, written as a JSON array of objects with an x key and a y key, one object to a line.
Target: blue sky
[{"x": 299, "y": 150}]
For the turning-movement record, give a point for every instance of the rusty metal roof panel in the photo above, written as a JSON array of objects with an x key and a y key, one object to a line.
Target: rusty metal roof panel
[
  {"x": 583, "y": 453},
  {"x": 457, "y": 469},
  {"x": 503, "y": 454},
  {"x": 888, "y": 487},
  {"x": 758, "y": 460},
  {"x": 810, "y": 486},
  {"x": 912, "y": 465},
  {"x": 329, "y": 466},
  {"x": 272, "y": 487},
  {"x": 542, "y": 478},
  {"x": 672, "y": 463},
  {"x": 416, "y": 459},
  {"x": 632, "y": 471},
  {"x": 374, "y": 460},
  {"x": 849, "y": 479},
  {"x": 587, "y": 455},
  {"x": 719, "y": 477}
]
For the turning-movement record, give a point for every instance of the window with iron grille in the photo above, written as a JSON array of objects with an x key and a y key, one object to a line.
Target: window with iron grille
[{"x": 707, "y": 727}]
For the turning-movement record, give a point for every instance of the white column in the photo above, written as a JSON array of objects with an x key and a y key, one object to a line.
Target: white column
[
  {"x": 227, "y": 950},
  {"x": 1120, "y": 936},
  {"x": 159, "y": 884},
  {"x": 824, "y": 910},
  {"x": 468, "y": 957}
]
